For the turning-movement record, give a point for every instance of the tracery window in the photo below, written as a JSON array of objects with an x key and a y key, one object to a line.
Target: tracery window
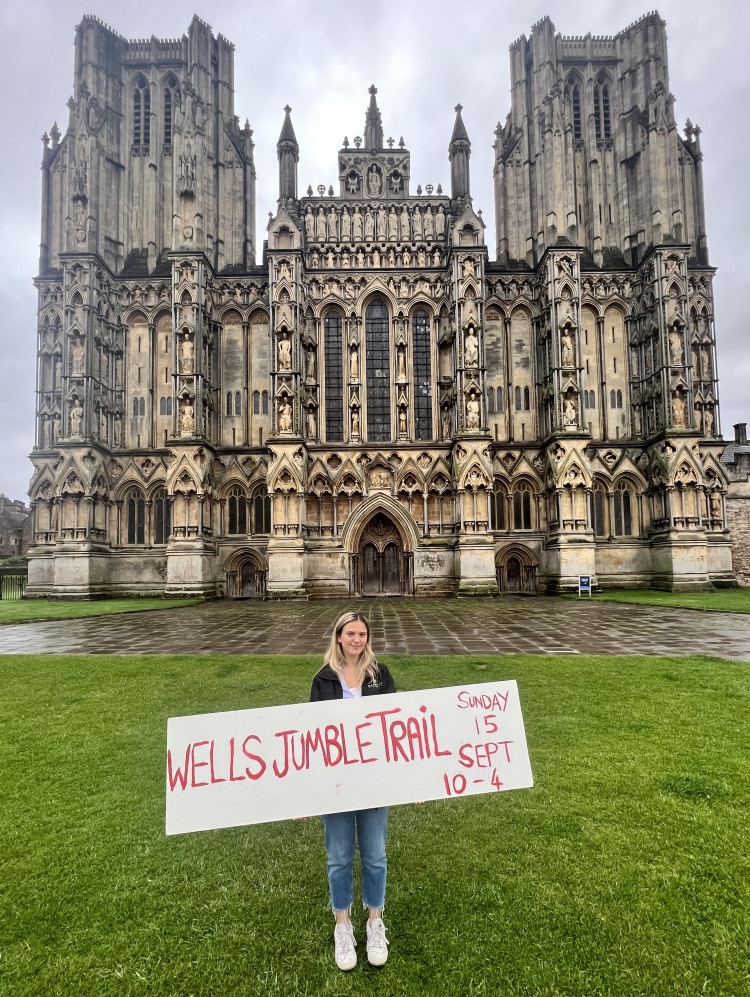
[
  {"x": 422, "y": 375},
  {"x": 602, "y": 119},
  {"x": 334, "y": 378},
  {"x": 518, "y": 399},
  {"x": 499, "y": 506},
  {"x": 499, "y": 398},
  {"x": 600, "y": 505},
  {"x": 378, "y": 372},
  {"x": 522, "y": 507},
  {"x": 262, "y": 512},
  {"x": 165, "y": 405},
  {"x": 265, "y": 403},
  {"x": 135, "y": 509},
  {"x": 237, "y": 403},
  {"x": 141, "y": 113},
  {"x": 162, "y": 517},
  {"x": 256, "y": 403},
  {"x": 490, "y": 400},
  {"x": 623, "y": 510},
  {"x": 170, "y": 86},
  {"x": 237, "y": 511}
]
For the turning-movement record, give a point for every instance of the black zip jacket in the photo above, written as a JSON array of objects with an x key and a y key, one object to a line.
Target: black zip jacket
[{"x": 327, "y": 685}]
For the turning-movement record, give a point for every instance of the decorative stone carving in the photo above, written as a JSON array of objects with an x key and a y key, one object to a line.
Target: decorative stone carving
[
  {"x": 187, "y": 417},
  {"x": 354, "y": 365},
  {"x": 570, "y": 412},
  {"x": 285, "y": 353},
  {"x": 346, "y": 225},
  {"x": 285, "y": 416},
  {"x": 78, "y": 351},
  {"x": 440, "y": 223},
  {"x": 678, "y": 409},
  {"x": 471, "y": 348},
  {"x": 429, "y": 223},
  {"x": 311, "y": 424},
  {"x": 676, "y": 353},
  {"x": 310, "y": 365},
  {"x": 472, "y": 411},
  {"x": 76, "y": 418},
  {"x": 567, "y": 343},
  {"x": 309, "y": 224}
]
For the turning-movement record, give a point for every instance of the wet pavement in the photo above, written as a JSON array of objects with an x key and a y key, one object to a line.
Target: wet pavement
[{"x": 510, "y": 625}]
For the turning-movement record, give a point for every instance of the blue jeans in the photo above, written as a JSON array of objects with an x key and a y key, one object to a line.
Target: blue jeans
[{"x": 371, "y": 827}]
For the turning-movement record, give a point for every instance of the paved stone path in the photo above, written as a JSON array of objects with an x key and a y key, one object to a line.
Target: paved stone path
[{"x": 399, "y": 626}]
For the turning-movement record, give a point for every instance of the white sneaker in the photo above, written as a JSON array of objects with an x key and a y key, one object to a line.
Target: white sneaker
[
  {"x": 377, "y": 943},
  {"x": 343, "y": 937}
]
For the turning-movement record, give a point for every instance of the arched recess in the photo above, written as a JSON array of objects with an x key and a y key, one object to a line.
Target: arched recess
[
  {"x": 380, "y": 537},
  {"x": 516, "y": 570},
  {"x": 246, "y": 573}
]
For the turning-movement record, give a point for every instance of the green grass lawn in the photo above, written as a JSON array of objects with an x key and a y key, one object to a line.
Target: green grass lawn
[
  {"x": 723, "y": 600},
  {"x": 625, "y": 871},
  {"x": 27, "y": 610}
]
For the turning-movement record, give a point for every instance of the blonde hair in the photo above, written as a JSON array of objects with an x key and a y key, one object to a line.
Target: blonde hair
[{"x": 334, "y": 655}]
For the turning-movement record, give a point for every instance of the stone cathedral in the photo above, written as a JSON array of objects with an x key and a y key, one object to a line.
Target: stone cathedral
[{"x": 369, "y": 405}]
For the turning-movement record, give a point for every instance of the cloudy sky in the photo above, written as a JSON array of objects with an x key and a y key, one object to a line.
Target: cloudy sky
[{"x": 320, "y": 56}]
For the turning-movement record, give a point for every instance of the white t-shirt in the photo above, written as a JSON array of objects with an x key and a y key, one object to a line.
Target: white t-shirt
[{"x": 355, "y": 693}]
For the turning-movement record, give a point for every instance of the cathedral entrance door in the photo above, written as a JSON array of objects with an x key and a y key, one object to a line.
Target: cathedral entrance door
[
  {"x": 513, "y": 576},
  {"x": 248, "y": 581},
  {"x": 381, "y": 558}
]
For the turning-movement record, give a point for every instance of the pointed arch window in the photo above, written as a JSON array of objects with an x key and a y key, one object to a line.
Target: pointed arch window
[
  {"x": 170, "y": 87},
  {"x": 162, "y": 517},
  {"x": 491, "y": 400},
  {"x": 600, "y": 505},
  {"x": 256, "y": 403},
  {"x": 602, "y": 116},
  {"x": 264, "y": 401},
  {"x": 136, "y": 514},
  {"x": 262, "y": 512},
  {"x": 334, "y": 378},
  {"x": 522, "y": 507},
  {"x": 378, "y": 372},
  {"x": 623, "y": 510},
  {"x": 422, "y": 375},
  {"x": 237, "y": 511},
  {"x": 141, "y": 113}
]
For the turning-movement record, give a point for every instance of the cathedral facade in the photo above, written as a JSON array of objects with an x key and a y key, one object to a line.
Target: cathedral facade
[{"x": 370, "y": 405}]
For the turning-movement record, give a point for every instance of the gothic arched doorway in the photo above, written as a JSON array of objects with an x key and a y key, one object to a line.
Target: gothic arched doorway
[
  {"x": 516, "y": 570},
  {"x": 246, "y": 578},
  {"x": 513, "y": 575},
  {"x": 381, "y": 558}
]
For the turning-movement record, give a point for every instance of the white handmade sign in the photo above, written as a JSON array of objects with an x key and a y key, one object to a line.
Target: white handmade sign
[{"x": 253, "y": 766}]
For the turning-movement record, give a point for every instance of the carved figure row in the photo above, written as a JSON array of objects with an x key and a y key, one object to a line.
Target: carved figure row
[
  {"x": 339, "y": 225},
  {"x": 421, "y": 257}
]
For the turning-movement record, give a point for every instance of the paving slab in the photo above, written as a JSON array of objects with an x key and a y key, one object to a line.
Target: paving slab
[{"x": 510, "y": 625}]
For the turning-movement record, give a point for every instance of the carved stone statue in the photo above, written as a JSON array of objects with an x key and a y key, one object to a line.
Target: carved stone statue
[
  {"x": 678, "y": 409},
  {"x": 310, "y": 365},
  {"x": 354, "y": 365},
  {"x": 320, "y": 225},
  {"x": 393, "y": 225},
  {"x": 402, "y": 421},
  {"x": 416, "y": 222},
  {"x": 401, "y": 367},
  {"x": 471, "y": 348},
  {"x": 472, "y": 411},
  {"x": 187, "y": 419},
  {"x": 311, "y": 424},
  {"x": 285, "y": 417},
  {"x": 79, "y": 358},
  {"x": 570, "y": 412},
  {"x": 374, "y": 182},
  {"x": 708, "y": 421},
  {"x": 355, "y": 422},
  {"x": 382, "y": 224},
  {"x": 429, "y": 224},
  {"x": 333, "y": 225},
  {"x": 369, "y": 226},
  {"x": 376, "y": 257},
  {"x": 405, "y": 225},
  {"x": 346, "y": 226},
  {"x": 568, "y": 349},
  {"x": 447, "y": 426},
  {"x": 76, "y": 418},
  {"x": 309, "y": 224},
  {"x": 285, "y": 354},
  {"x": 357, "y": 225},
  {"x": 715, "y": 503},
  {"x": 440, "y": 223},
  {"x": 118, "y": 431},
  {"x": 676, "y": 354},
  {"x": 187, "y": 354}
]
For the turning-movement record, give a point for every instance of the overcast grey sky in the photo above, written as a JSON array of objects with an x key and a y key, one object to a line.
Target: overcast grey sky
[{"x": 321, "y": 56}]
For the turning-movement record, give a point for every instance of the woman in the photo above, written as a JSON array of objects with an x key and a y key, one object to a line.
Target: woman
[{"x": 351, "y": 671}]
